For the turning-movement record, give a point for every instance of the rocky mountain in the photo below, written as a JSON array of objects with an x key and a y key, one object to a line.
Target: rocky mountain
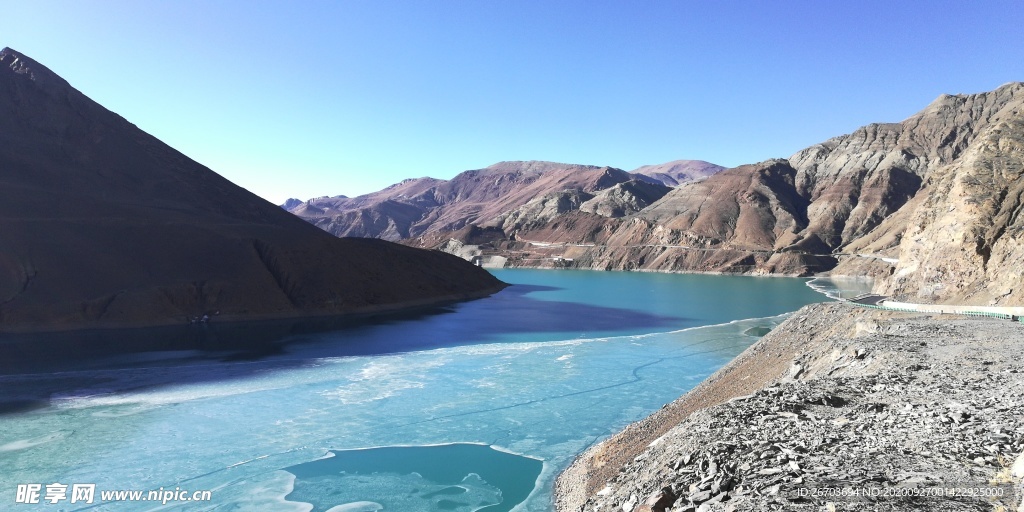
[
  {"x": 932, "y": 206},
  {"x": 102, "y": 224},
  {"x": 964, "y": 240},
  {"x": 489, "y": 196},
  {"x": 421, "y": 206},
  {"x": 291, "y": 202},
  {"x": 675, "y": 173},
  {"x": 624, "y": 198},
  {"x": 941, "y": 192}
]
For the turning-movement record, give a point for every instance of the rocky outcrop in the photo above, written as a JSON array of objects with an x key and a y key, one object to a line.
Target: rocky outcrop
[
  {"x": 624, "y": 198},
  {"x": 550, "y": 210},
  {"x": 104, "y": 225},
  {"x": 541, "y": 210},
  {"x": 964, "y": 243},
  {"x": 903, "y": 406}
]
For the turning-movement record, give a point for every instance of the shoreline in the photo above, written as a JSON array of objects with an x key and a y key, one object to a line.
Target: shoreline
[
  {"x": 241, "y": 320},
  {"x": 654, "y": 271},
  {"x": 827, "y": 347},
  {"x": 745, "y": 374}
]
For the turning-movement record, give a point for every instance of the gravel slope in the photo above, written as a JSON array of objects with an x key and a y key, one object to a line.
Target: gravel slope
[{"x": 835, "y": 397}]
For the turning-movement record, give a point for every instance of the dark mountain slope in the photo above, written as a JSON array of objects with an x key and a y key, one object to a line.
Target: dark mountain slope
[{"x": 102, "y": 224}]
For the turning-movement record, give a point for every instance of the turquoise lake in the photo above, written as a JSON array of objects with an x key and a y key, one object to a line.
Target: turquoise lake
[{"x": 472, "y": 406}]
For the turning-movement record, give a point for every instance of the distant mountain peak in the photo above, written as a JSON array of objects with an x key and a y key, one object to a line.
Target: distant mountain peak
[
  {"x": 676, "y": 172},
  {"x": 533, "y": 166},
  {"x": 291, "y": 202}
]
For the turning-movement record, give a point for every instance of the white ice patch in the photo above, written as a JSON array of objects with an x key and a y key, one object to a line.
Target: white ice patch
[
  {"x": 23, "y": 444},
  {"x": 118, "y": 412},
  {"x": 383, "y": 378},
  {"x": 483, "y": 383},
  {"x": 838, "y": 287},
  {"x": 262, "y": 492},
  {"x": 366, "y": 392},
  {"x": 359, "y": 506}
]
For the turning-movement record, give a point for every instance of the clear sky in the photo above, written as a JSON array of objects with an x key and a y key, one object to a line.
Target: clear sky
[{"x": 308, "y": 98}]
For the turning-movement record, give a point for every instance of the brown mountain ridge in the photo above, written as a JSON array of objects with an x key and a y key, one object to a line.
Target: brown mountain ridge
[{"x": 104, "y": 225}]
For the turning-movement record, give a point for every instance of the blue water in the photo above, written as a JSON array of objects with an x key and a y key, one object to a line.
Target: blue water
[
  {"x": 474, "y": 406},
  {"x": 438, "y": 477}
]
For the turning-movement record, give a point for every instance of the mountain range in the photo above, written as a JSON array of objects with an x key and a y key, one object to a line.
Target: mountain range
[
  {"x": 103, "y": 225},
  {"x": 420, "y": 206},
  {"x": 931, "y": 206}
]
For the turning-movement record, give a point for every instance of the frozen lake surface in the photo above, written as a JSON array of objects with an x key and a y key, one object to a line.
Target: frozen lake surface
[{"x": 474, "y": 406}]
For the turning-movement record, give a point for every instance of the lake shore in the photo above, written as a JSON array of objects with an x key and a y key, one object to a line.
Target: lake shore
[
  {"x": 836, "y": 393},
  {"x": 256, "y": 318}
]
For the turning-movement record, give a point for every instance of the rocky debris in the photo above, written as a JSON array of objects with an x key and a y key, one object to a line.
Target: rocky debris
[
  {"x": 917, "y": 406},
  {"x": 965, "y": 243}
]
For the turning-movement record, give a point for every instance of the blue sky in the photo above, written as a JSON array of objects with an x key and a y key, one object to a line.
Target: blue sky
[{"x": 306, "y": 98}]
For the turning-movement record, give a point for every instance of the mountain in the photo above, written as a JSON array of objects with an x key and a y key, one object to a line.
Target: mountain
[
  {"x": 675, "y": 173},
  {"x": 932, "y": 206},
  {"x": 104, "y": 225},
  {"x": 941, "y": 192},
  {"x": 964, "y": 240},
  {"x": 527, "y": 192},
  {"x": 290, "y": 203},
  {"x": 422, "y": 206}
]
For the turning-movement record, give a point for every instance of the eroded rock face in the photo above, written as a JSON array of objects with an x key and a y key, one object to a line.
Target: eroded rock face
[
  {"x": 964, "y": 242},
  {"x": 541, "y": 210},
  {"x": 103, "y": 225},
  {"x": 624, "y": 198}
]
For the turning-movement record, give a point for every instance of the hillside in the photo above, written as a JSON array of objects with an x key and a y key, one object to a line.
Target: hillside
[{"x": 104, "y": 225}]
